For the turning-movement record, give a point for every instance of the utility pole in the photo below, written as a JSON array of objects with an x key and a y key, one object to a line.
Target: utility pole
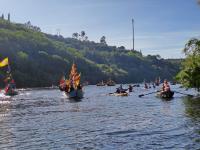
[
  {"x": 133, "y": 34},
  {"x": 8, "y": 17}
]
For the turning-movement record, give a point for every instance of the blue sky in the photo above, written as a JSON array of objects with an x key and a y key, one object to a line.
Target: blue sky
[{"x": 161, "y": 26}]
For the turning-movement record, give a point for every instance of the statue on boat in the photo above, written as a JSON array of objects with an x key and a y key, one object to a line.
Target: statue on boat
[{"x": 72, "y": 86}]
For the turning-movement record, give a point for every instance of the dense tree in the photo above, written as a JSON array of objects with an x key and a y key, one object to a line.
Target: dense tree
[
  {"x": 82, "y": 35},
  {"x": 2, "y": 17},
  {"x": 189, "y": 76},
  {"x": 122, "y": 48}
]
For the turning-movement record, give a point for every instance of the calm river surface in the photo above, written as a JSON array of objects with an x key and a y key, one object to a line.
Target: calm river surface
[{"x": 45, "y": 119}]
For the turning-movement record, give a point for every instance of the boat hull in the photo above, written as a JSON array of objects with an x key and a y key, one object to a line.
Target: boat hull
[
  {"x": 75, "y": 94},
  {"x": 110, "y": 84},
  {"x": 100, "y": 84},
  {"x": 166, "y": 95}
]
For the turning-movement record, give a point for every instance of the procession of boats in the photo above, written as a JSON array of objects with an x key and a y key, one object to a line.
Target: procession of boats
[{"x": 71, "y": 85}]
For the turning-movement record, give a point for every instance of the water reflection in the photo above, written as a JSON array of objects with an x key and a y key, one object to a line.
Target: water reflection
[
  {"x": 45, "y": 119},
  {"x": 192, "y": 107}
]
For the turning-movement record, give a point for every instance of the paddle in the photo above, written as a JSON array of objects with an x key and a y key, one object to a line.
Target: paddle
[
  {"x": 184, "y": 94},
  {"x": 147, "y": 93}
]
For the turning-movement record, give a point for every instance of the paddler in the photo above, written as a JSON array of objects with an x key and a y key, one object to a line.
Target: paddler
[
  {"x": 120, "y": 89},
  {"x": 130, "y": 88},
  {"x": 165, "y": 87}
]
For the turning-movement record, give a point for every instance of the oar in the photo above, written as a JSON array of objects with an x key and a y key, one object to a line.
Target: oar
[
  {"x": 184, "y": 94},
  {"x": 147, "y": 93}
]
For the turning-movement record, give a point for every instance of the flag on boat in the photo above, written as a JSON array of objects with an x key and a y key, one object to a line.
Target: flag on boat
[{"x": 4, "y": 62}]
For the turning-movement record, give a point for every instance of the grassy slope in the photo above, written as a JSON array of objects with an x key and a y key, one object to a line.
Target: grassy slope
[{"x": 39, "y": 59}]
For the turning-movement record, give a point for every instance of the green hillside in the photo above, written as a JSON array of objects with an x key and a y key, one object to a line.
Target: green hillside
[{"x": 38, "y": 59}]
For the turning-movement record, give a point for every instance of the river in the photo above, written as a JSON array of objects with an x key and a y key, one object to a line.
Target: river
[{"x": 46, "y": 119}]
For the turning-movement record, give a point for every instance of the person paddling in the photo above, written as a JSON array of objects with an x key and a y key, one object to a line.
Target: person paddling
[
  {"x": 130, "y": 88},
  {"x": 146, "y": 86},
  {"x": 120, "y": 89}
]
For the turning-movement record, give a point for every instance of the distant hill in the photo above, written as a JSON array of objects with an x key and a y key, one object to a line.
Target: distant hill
[{"x": 38, "y": 59}]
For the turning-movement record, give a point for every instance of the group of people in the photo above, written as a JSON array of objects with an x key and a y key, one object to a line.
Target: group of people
[
  {"x": 120, "y": 89},
  {"x": 146, "y": 86},
  {"x": 165, "y": 87}
]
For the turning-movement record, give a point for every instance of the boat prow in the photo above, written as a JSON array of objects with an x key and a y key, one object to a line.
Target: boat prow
[{"x": 75, "y": 94}]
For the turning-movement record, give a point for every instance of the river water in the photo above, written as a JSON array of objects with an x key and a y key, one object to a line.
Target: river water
[{"x": 46, "y": 119}]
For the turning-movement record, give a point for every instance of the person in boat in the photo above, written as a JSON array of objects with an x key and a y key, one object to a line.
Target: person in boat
[
  {"x": 146, "y": 86},
  {"x": 157, "y": 82},
  {"x": 130, "y": 88},
  {"x": 153, "y": 85},
  {"x": 120, "y": 89},
  {"x": 165, "y": 86},
  {"x": 71, "y": 88}
]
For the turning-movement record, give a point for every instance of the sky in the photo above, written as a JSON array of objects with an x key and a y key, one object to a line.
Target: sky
[{"x": 161, "y": 26}]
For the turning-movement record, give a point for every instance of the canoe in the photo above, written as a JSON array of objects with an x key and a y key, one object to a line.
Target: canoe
[
  {"x": 166, "y": 95},
  {"x": 110, "y": 84},
  {"x": 75, "y": 94},
  {"x": 100, "y": 84},
  {"x": 119, "y": 94}
]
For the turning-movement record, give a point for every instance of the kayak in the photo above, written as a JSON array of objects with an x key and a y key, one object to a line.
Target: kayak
[
  {"x": 166, "y": 95},
  {"x": 119, "y": 94}
]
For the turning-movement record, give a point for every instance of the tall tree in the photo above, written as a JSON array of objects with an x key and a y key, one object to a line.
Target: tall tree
[
  {"x": 2, "y": 16},
  {"x": 86, "y": 38},
  {"x": 82, "y": 35},
  {"x": 103, "y": 40},
  {"x": 75, "y": 35},
  {"x": 189, "y": 76}
]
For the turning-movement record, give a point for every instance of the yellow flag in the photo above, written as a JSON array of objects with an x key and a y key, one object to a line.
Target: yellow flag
[{"x": 4, "y": 62}]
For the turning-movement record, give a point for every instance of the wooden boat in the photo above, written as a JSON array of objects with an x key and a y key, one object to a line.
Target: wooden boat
[
  {"x": 101, "y": 84},
  {"x": 72, "y": 86},
  {"x": 119, "y": 94},
  {"x": 111, "y": 83},
  {"x": 75, "y": 94},
  {"x": 166, "y": 95}
]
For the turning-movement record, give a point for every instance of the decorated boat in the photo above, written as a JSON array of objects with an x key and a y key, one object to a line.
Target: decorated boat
[
  {"x": 10, "y": 88},
  {"x": 72, "y": 86},
  {"x": 111, "y": 83}
]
